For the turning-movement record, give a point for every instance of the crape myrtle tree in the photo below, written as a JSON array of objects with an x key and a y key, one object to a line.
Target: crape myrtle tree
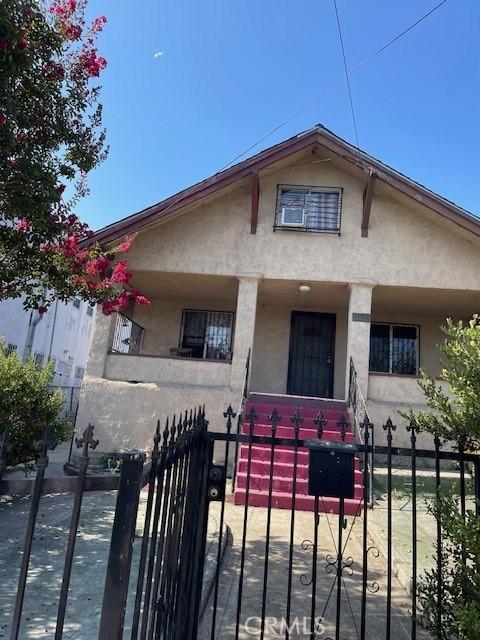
[
  {"x": 51, "y": 137},
  {"x": 454, "y": 418}
]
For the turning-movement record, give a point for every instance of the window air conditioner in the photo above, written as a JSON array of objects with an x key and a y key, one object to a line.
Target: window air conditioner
[{"x": 293, "y": 217}]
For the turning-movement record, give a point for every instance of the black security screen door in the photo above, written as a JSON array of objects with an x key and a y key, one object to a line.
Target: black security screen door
[{"x": 310, "y": 367}]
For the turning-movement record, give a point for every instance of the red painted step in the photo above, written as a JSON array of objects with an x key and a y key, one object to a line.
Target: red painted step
[
  {"x": 288, "y": 432},
  {"x": 302, "y": 503},
  {"x": 281, "y": 469},
  {"x": 281, "y": 453},
  {"x": 282, "y": 482}
]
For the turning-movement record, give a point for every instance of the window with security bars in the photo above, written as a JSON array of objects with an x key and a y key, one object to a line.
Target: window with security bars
[
  {"x": 79, "y": 372},
  {"x": 38, "y": 357},
  {"x": 206, "y": 334},
  {"x": 10, "y": 348},
  {"x": 394, "y": 348},
  {"x": 316, "y": 209}
]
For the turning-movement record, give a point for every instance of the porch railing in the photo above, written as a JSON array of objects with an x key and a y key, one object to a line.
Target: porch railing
[
  {"x": 358, "y": 407},
  {"x": 127, "y": 335},
  {"x": 246, "y": 382}
]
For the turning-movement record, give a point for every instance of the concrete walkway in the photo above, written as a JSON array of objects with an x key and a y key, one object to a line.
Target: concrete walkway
[
  {"x": 48, "y": 554},
  {"x": 302, "y": 595}
]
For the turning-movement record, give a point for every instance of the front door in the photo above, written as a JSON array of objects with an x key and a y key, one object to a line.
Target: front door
[{"x": 310, "y": 365}]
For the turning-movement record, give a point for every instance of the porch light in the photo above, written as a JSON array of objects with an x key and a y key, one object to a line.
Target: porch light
[{"x": 304, "y": 288}]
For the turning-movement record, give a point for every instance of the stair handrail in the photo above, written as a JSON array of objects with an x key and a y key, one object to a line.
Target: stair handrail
[
  {"x": 243, "y": 399},
  {"x": 358, "y": 406}
]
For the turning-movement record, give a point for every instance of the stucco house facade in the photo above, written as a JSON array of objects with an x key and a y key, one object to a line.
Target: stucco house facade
[{"x": 309, "y": 256}]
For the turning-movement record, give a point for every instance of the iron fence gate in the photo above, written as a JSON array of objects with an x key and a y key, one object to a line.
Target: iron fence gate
[{"x": 260, "y": 571}]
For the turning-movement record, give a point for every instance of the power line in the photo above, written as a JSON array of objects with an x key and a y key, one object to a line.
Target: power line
[
  {"x": 337, "y": 82},
  {"x": 347, "y": 77}
]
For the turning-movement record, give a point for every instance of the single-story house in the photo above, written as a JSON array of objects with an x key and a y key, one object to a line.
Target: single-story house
[{"x": 309, "y": 255}]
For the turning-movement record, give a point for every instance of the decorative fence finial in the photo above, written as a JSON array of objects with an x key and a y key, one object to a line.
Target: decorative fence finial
[
  {"x": 274, "y": 418},
  {"x": 320, "y": 422},
  {"x": 87, "y": 440},
  {"x": 343, "y": 424},
  {"x": 297, "y": 419},
  {"x": 46, "y": 442}
]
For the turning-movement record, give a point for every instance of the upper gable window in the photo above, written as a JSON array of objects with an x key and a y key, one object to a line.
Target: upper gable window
[{"x": 316, "y": 209}]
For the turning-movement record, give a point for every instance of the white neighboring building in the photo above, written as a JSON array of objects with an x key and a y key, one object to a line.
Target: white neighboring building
[{"x": 63, "y": 334}]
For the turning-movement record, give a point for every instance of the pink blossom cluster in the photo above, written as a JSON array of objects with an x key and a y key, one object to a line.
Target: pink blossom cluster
[
  {"x": 91, "y": 63},
  {"x": 53, "y": 71}
]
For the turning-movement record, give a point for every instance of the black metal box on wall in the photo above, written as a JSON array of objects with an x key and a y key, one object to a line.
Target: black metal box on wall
[{"x": 331, "y": 468}]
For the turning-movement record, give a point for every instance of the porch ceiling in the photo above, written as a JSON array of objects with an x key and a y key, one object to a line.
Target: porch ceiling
[
  {"x": 185, "y": 285},
  {"x": 286, "y": 292},
  {"x": 425, "y": 302}
]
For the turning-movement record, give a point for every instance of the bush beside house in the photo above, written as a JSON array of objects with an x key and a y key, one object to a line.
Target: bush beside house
[
  {"x": 28, "y": 405},
  {"x": 454, "y": 418}
]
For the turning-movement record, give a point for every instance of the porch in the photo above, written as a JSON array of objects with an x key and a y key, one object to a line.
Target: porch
[{"x": 196, "y": 335}]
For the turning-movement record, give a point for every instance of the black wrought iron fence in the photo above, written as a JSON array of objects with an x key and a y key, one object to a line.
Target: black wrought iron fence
[
  {"x": 170, "y": 567},
  {"x": 285, "y": 563}
]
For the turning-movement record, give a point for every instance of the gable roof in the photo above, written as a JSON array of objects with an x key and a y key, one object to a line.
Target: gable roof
[{"x": 319, "y": 135}]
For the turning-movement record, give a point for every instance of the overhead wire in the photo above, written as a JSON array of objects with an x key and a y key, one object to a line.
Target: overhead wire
[
  {"x": 335, "y": 84},
  {"x": 323, "y": 93},
  {"x": 347, "y": 76}
]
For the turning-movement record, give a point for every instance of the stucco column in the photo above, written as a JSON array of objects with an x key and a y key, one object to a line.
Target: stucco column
[
  {"x": 101, "y": 342},
  {"x": 244, "y": 328},
  {"x": 358, "y": 334}
]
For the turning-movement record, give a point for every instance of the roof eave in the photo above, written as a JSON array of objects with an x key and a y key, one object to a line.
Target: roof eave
[{"x": 318, "y": 135}]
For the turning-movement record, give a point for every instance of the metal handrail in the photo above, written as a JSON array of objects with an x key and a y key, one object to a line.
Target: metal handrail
[
  {"x": 246, "y": 379},
  {"x": 127, "y": 335},
  {"x": 358, "y": 406}
]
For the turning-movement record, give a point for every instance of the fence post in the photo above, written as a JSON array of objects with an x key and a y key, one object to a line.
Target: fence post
[
  {"x": 477, "y": 487},
  {"x": 121, "y": 546}
]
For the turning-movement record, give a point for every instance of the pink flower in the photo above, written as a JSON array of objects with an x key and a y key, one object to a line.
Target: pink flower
[
  {"x": 124, "y": 246},
  {"x": 98, "y": 265},
  {"x": 70, "y": 246},
  {"x": 42, "y": 310},
  {"x": 123, "y": 300},
  {"x": 98, "y": 24},
  {"x": 120, "y": 273},
  {"x": 54, "y": 71},
  {"x": 108, "y": 307},
  {"x": 23, "y": 225},
  {"x": 72, "y": 31},
  {"x": 142, "y": 300}
]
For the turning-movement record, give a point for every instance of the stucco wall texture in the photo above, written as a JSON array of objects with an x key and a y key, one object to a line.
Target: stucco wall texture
[{"x": 408, "y": 246}]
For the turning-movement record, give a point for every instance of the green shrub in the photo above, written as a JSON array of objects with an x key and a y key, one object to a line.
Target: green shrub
[
  {"x": 28, "y": 405},
  {"x": 454, "y": 417},
  {"x": 460, "y": 577}
]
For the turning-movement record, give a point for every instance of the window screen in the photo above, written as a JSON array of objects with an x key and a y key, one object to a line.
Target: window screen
[
  {"x": 322, "y": 207},
  {"x": 394, "y": 348},
  {"x": 207, "y": 334}
]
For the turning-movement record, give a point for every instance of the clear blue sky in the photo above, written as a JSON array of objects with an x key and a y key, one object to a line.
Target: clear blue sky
[{"x": 234, "y": 69}]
